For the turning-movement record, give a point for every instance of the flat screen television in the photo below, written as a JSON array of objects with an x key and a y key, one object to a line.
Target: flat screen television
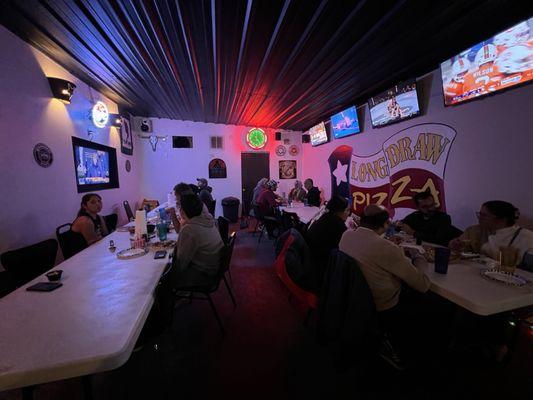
[
  {"x": 95, "y": 166},
  {"x": 318, "y": 134},
  {"x": 345, "y": 123},
  {"x": 500, "y": 62},
  {"x": 394, "y": 105}
]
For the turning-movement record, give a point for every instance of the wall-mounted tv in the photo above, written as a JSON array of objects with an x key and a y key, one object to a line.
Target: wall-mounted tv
[
  {"x": 95, "y": 166},
  {"x": 396, "y": 104},
  {"x": 498, "y": 63},
  {"x": 318, "y": 134},
  {"x": 345, "y": 123}
]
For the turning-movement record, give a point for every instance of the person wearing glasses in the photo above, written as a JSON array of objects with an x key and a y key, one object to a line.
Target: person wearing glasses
[
  {"x": 428, "y": 224},
  {"x": 497, "y": 227}
]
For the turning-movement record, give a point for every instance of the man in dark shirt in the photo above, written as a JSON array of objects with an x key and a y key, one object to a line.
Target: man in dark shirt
[
  {"x": 203, "y": 191},
  {"x": 313, "y": 194},
  {"x": 428, "y": 224}
]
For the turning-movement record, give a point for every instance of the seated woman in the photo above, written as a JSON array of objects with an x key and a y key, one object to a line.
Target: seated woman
[
  {"x": 88, "y": 223},
  {"x": 325, "y": 234},
  {"x": 298, "y": 192},
  {"x": 497, "y": 227},
  {"x": 197, "y": 252}
]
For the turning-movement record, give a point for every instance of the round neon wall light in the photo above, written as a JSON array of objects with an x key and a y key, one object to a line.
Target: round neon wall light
[
  {"x": 256, "y": 138},
  {"x": 100, "y": 114}
]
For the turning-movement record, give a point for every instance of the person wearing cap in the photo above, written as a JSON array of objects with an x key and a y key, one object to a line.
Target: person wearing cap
[
  {"x": 385, "y": 267},
  {"x": 203, "y": 191},
  {"x": 267, "y": 201}
]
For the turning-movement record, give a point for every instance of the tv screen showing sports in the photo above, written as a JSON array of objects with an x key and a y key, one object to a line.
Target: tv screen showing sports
[
  {"x": 318, "y": 134},
  {"x": 345, "y": 123},
  {"x": 498, "y": 63},
  {"x": 394, "y": 105},
  {"x": 95, "y": 166}
]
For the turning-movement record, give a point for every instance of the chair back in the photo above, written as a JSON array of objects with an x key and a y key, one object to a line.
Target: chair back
[
  {"x": 29, "y": 262},
  {"x": 111, "y": 221},
  {"x": 127, "y": 208},
  {"x": 70, "y": 242},
  {"x": 211, "y": 205},
  {"x": 280, "y": 266},
  {"x": 223, "y": 228},
  {"x": 226, "y": 253},
  {"x": 257, "y": 212},
  {"x": 290, "y": 220}
]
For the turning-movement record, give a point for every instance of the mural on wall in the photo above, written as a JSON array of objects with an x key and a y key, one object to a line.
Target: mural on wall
[
  {"x": 217, "y": 169},
  {"x": 287, "y": 169},
  {"x": 410, "y": 161}
]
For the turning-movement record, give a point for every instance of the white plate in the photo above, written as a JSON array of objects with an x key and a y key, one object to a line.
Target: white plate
[
  {"x": 504, "y": 277},
  {"x": 131, "y": 253}
]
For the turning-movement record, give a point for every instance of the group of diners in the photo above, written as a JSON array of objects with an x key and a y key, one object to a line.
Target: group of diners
[
  {"x": 197, "y": 251},
  {"x": 388, "y": 267}
]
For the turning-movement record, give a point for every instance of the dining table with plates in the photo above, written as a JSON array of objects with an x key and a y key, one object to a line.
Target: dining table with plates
[
  {"x": 304, "y": 213},
  {"x": 88, "y": 325}
]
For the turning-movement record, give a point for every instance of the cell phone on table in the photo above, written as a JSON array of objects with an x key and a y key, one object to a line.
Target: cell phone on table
[
  {"x": 160, "y": 254},
  {"x": 44, "y": 287}
]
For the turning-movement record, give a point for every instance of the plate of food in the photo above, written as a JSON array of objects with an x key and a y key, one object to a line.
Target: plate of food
[
  {"x": 131, "y": 253},
  {"x": 165, "y": 244},
  {"x": 507, "y": 278}
]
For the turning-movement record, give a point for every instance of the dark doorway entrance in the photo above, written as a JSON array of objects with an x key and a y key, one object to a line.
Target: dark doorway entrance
[{"x": 254, "y": 166}]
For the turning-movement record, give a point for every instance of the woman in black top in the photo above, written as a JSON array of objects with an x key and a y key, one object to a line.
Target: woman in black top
[
  {"x": 88, "y": 223},
  {"x": 325, "y": 234}
]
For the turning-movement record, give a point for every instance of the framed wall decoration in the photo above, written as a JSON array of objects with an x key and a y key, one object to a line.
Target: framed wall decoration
[
  {"x": 128, "y": 166},
  {"x": 43, "y": 155},
  {"x": 287, "y": 169},
  {"x": 217, "y": 169},
  {"x": 281, "y": 150},
  {"x": 126, "y": 138},
  {"x": 294, "y": 150}
]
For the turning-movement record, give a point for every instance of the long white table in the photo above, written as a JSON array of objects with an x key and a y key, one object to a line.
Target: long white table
[
  {"x": 464, "y": 286},
  {"x": 305, "y": 213},
  {"x": 88, "y": 325}
]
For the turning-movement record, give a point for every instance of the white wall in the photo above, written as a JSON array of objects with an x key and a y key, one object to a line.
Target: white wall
[
  {"x": 36, "y": 200},
  {"x": 491, "y": 157},
  {"x": 167, "y": 166}
]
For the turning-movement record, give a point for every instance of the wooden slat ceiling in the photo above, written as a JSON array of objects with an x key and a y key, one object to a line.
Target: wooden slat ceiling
[{"x": 270, "y": 63}]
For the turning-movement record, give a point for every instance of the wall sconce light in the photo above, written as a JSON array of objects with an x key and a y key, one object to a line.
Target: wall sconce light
[
  {"x": 61, "y": 89},
  {"x": 115, "y": 120}
]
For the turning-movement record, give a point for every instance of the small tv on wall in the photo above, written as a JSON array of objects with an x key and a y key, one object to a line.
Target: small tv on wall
[
  {"x": 318, "y": 134},
  {"x": 345, "y": 123},
  {"x": 95, "y": 166},
  {"x": 500, "y": 62},
  {"x": 394, "y": 105}
]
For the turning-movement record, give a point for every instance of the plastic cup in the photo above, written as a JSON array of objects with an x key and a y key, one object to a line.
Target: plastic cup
[
  {"x": 508, "y": 258},
  {"x": 442, "y": 258},
  {"x": 162, "y": 231}
]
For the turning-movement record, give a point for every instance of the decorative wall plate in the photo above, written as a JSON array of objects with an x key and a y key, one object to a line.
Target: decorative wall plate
[
  {"x": 294, "y": 150},
  {"x": 43, "y": 155},
  {"x": 128, "y": 166},
  {"x": 131, "y": 253},
  {"x": 281, "y": 150}
]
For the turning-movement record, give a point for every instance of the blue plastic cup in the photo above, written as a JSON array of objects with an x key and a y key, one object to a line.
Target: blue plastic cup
[
  {"x": 162, "y": 231},
  {"x": 442, "y": 258}
]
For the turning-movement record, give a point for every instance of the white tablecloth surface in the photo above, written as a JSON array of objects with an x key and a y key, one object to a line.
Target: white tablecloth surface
[{"x": 305, "y": 213}]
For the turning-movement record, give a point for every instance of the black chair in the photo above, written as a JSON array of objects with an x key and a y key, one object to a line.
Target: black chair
[
  {"x": 263, "y": 221},
  {"x": 111, "y": 221},
  {"x": 223, "y": 228},
  {"x": 29, "y": 262},
  {"x": 127, "y": 208},
  {"x": 207, "y": 289},
  {"x": 70, "y": 242},
  {"x": 211, "y": 205}
]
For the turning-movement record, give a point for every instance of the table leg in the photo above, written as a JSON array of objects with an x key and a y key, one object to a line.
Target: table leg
[{"x": 86, "y": 382}]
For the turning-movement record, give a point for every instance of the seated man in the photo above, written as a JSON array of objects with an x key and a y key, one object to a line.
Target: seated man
[
  {"x": 197, "y": 253},
  {"x": 180, "y": 190},
  {"x": 429, "y": 224},
  {"x": 385, "y": 268},
  {"x": 204, "y": 191},
  {"x": 267, "y": 201},
  {"x": 297, "y": 193},
  {"x": 313, "y": 193}
]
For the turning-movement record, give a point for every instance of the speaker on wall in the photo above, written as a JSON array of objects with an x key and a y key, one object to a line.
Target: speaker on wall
[
  {"x": 306, "y": 138},
  {"x": 278, "y": 135}
]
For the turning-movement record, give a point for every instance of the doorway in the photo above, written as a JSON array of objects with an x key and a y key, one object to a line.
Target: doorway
[{"x": 254, "y": 166}]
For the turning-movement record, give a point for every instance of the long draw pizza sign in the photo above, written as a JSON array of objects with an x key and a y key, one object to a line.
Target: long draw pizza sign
[{"x": 410, "y": 161}]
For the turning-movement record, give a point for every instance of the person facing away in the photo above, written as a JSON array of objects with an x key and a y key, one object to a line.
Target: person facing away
[
  {"x": 313, "y": 194},
  {"x": 297, "y": 193},
  {"x": 259, "y": 188},
  {"x": 267, "y": 200},
  {"x": 180, "y": 190},
  {"x": 89, "y": 223},
  {"x": 497, "y": 227},
  {"x": 382, "y": 262},
  {"x": 325, "y": 234},
  {"x": 197, "y": 252},
  {"x": 203, "y": 191},
  {"x": 427, "y": 223}
]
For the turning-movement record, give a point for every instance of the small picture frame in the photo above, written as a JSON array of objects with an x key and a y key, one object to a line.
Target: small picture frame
[
  {"x": 287, "y": 169},
  {"x": 126, "y": 138}
]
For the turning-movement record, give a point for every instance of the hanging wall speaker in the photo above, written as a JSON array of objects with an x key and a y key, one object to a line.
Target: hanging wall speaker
[
  {"x": 306, "y": 138},
  {"x": 278, "y": 135}
]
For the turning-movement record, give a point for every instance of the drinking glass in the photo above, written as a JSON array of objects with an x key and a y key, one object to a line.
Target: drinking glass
[{"x": 508, "y": 258}]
